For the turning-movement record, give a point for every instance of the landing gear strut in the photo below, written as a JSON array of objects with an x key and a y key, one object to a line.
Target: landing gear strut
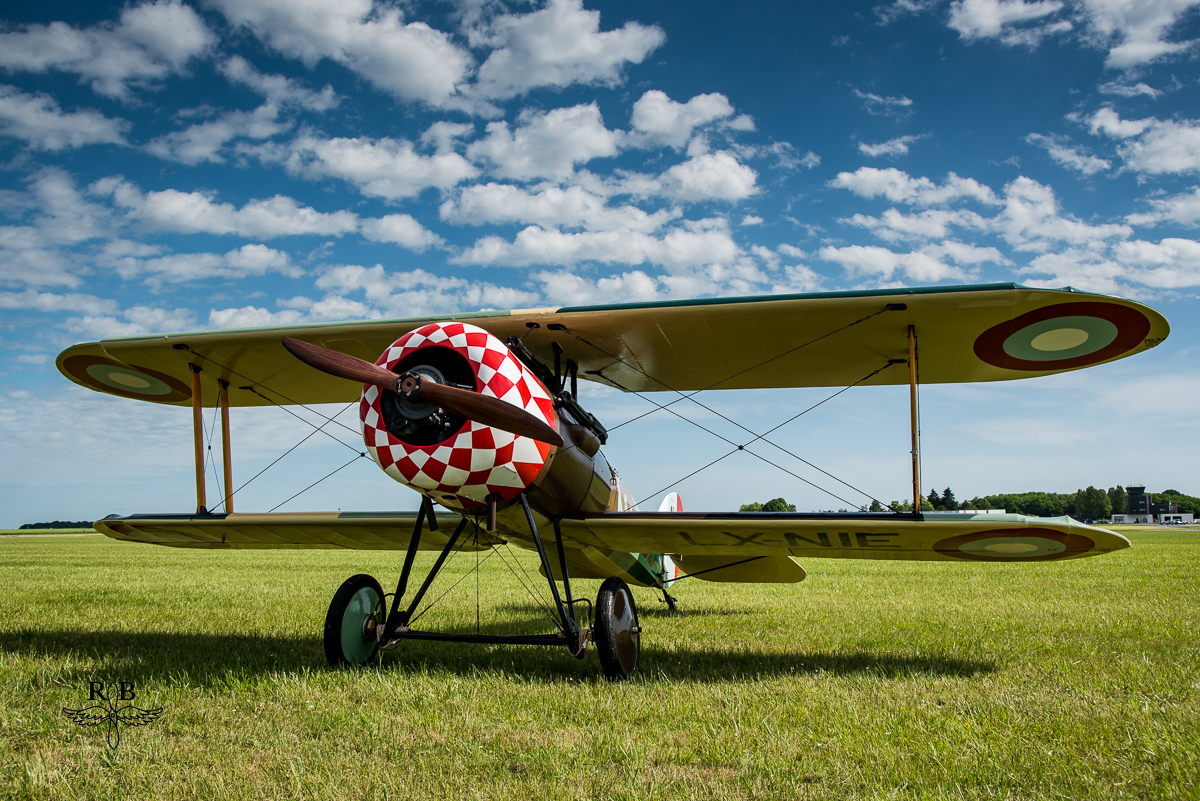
[{"x": 358, "y": 623}]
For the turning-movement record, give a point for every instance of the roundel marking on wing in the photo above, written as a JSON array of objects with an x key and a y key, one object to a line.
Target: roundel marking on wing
[
  {"x": 1014, "y": 545},
  {"x": 1063, "y": 336},
  {"x": 129, "y": 381}
]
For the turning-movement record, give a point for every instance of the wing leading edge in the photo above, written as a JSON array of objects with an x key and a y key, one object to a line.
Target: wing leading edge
[{"x": 990, "y": 332}]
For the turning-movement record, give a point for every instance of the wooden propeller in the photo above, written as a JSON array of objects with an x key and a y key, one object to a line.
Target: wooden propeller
[{"x": 411, "y": 386}]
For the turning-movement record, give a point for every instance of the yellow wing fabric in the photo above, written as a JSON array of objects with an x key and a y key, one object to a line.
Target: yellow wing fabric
[
  {"x": 991, "y": 332},
  {"x": 935, "y": 537},
  {"x": 373, "y": 531}
]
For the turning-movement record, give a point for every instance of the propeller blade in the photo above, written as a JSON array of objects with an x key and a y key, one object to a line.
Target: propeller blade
[
  {"x": 464, "y": 403},
  {"x": 341, "y": 364}
]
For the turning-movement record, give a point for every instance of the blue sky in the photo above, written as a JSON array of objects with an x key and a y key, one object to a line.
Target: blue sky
[{"x": 177, "y": 166}]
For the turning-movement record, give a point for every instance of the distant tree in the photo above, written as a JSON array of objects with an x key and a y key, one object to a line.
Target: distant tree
[
  {"x": 949, "y": 502},
  {"x": 778, "y": 505},
  {"x": 1116, "y": 497},
  {"x": 773, "y": 505},
  {"x": 60, "y": 524},
  {"x": 976, "y": 503},
  {"x": 926, "y": 506},
  {"x": 875, "y": 506},
  {"x": 933, "y": 499},
  {"x": 1092, "y": 501},
  {"x": 900, "y": 506},
  {"x": 1186, "y": 503}
]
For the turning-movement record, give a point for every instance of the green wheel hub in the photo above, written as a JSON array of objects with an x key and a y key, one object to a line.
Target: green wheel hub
[{"x": 354, "y": 612}]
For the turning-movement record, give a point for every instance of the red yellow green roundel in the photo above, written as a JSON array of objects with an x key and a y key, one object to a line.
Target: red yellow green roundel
[
  {"x": 1006, "y": 545},
  {"x": 1063, "y": 337},
  {"x": 118, "y": 378}
]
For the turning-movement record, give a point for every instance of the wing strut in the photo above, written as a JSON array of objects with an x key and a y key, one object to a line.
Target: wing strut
[
  {"x": 916, "y": 428},
  {"x": 226, "y": 451},
  {"x": 198, "y": 436}
]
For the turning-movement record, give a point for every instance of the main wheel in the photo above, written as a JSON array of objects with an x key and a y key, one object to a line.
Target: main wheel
[
  {"x": 356, "y": 608},
  {"x": 618, "y": 635}
]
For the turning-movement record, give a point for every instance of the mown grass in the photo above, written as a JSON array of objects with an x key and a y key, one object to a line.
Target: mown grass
[{"x": 868, "y": 680}]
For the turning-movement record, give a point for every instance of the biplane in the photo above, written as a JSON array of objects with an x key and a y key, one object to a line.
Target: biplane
[{"x": 481, "y": 415}]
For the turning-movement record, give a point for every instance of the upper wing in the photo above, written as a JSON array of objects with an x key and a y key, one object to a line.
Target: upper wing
[
  {"x": 934, "y": 537},
  {"x": 990, "y": 332},
  {"x": 354, "y": 530}
]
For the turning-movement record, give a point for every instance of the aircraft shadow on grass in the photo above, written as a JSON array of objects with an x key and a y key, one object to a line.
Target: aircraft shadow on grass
[{"x": 210, "y": 659}]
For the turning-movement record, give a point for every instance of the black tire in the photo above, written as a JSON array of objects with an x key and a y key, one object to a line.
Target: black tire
[
  {"x": 618, "y": 636},
  {"x": 349, "y": 633}
]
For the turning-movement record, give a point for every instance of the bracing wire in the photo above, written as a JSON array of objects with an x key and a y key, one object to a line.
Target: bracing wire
[
  {"x": 691, "y": 396},
  {"x": 318, "y": 481},
  {"x": 281, "y": 457},
  {"x": 742, "y": 447}
]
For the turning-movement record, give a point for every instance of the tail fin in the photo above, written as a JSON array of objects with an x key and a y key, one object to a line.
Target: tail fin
[{"x": 671, "y": 503}]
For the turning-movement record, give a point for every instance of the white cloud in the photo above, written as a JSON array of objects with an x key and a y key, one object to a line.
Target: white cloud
[
  {"x": 50, "y": 302},
  {"x": 983, "y": 19},
  {"x": 546, "y": 145},
  {"x": 879, "y": 262},
  {"x": 278, "y": 89},
  {"x": 1031, "y": 220},
  {"x": 895, "y": 226},
  {"x": 414, "y": 293},
  {"x": 1109, "y": 122},
  {"x": 659, "y": 120},
  {"x": 558, "y": 45},
  {"x": 1169, "y": 264},
  {"x": 36, "y": 253},
  {"x": 893, "y": 11},
  {"x": 33, "y": 358},
  {"x": 710, "y": 176},
  {"x": 402, "y": 230},
  {"x": 1123, "y": 89},
  {"x": 130, "y": 322},
  {"x": 751, "y": 219},
  {"x": 203, "y": 142},
  {"x": 1183, "y": 208},
  {"x": 1134, "y": 32},
  {"x": 387, "y": 168},
  {"x": 548, "y": 206},
  {"x": 884, "y": 105},
  {"x": 898, "y": 187},
  {"x": 411, "y": 61},
  {"x": 565, "y": 288},
  {"x": 243, "y": 262},
  {"x": 1152, "y": 145},
  {"x": 703, "y": 243},
  {"x": 198, "y": 212},
  {"x": 151, "y": 41},
  {"x": 1069, "y": 157},
  {"x": 38, "y": 120},
  {"x": 252, "y": 317},
  {"x": 892, "y": 147}
]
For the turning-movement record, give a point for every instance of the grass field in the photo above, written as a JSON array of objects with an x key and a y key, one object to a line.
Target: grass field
[{"x": 868, "y": 680}]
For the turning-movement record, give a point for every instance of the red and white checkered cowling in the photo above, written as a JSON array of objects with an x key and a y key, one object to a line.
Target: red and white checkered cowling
[{"x": 477, "y": 460}]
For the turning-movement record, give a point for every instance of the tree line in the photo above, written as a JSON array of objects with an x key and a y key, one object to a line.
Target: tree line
[{"x": 1090, "y": 501}]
